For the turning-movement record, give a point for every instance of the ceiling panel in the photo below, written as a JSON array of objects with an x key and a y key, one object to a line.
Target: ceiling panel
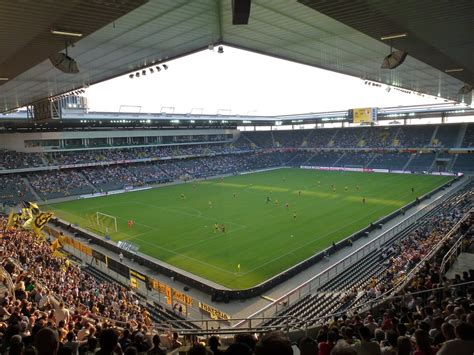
[{"x": 334, "y": 35}]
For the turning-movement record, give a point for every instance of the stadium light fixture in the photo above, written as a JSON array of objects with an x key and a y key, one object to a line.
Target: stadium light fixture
[
  {"x": 165, "y": 66},
  {"x": 151, "y": 70},
  {"x": 466, "y": 89},
  {"x": 394, "y": 59},
  {"x": 393, "y": 36},
  {"x": 158, "y": 68},
  {"x": 454, "y": 70},
  {"x": 143, "y": 72},
  {"x": 66, "y": 33},
  {"x": 137, "y": 75},
  {"x": 220, "y": 50},
  {"x": 131, "y": 76},
  {"x": 64, "y": 63}
]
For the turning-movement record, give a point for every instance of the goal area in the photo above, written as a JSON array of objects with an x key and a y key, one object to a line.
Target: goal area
[{"x": 105, "y": 223}]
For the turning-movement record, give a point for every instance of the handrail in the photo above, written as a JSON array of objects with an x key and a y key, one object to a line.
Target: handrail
[
  {"x": 291, "y": 322},
  {"x": 395, "y": 229},
  {"x": 453, "y": 248},
  {"x": 402, "y": 283},
  {"x": 433, "y": 251}
]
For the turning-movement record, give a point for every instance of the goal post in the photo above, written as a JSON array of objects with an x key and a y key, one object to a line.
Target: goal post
[{"x": 106, "y": 223}]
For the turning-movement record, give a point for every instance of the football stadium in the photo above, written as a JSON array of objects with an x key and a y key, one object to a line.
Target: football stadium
[{"x": 236, "y": 177}]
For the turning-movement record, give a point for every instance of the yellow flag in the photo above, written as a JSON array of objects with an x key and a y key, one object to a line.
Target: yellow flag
[
  {"x": 55, "y": 245},
  {"x": 10, "y": 219},
  {"x": 41, "y": 220}
]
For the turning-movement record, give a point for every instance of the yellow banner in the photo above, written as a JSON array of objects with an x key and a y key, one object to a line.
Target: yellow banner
[
  {"x": 133, "y": 282},
  {"x": 169, "y": 297},
  {"x": 214, "y": 313},
  {"x": 183, "y": 298},
  {"x": 138, "y": 275}
]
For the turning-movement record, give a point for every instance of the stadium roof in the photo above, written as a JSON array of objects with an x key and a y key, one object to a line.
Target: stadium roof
[{"x": 342, "y": 36}]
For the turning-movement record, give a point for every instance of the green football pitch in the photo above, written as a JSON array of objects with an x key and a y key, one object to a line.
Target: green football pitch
[{"x": 176, "y": 224}]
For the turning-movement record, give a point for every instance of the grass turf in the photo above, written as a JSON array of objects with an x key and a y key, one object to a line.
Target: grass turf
[{"x": 263, "y": 237}]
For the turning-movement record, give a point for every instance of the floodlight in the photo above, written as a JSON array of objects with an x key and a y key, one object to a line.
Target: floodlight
[
  {"x": 131, "y": 76},
  {"x": 143, "y": 72},
  {"x": 64, "y": 63},
  {"x": 466, "y": 89},
  {"x": 454, "y": 70},
  {"x": 137, "y": 75},
  {"x": 394, "y": 36},
  {"x": 394, "y": 59},
  {"x": 158, "y": 68},
  {"x": 165, "y": 66},
  {"x": 66, "y": 33},
  {"x": 151, "y": 70},
  {"x": 220, "y": 50}
]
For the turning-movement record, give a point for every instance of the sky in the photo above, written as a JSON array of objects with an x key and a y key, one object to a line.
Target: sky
[{"x": 244, "y": 83}]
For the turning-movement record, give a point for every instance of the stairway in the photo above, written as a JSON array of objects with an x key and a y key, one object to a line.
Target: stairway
[
  {"x": 333, "y": 138},
  {"x": 95, "y": 189},
  {"x": 252, "y": 143},
  {"x": 450, "y": 165},
  {"x": 338, "y": 159},
  {"x": 371, "y": 160},
  {"x": 461, "y": 134},
  {"x": 433, "y": 136},
  {"x": 32, "y": 190},
  {"x": 408, "y": 162}
]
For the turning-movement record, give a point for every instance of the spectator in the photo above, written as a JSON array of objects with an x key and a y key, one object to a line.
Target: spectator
[
  {"x": 463, "y": 344},
  {"x": 157, "y": 349},
  {"x": 404, "y": 345},
  {"x": 275, "y": 343},
  {"x": 46, "y": 342},
  {"x": 214, "y": 344},
  {"x": 366, "y": 346},
  {"x": 308, "y": 346},
  {"x": 423, "y": 343}
]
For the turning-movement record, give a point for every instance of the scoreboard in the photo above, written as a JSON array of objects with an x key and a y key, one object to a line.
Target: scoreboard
[{"x": 363, "y": 115}]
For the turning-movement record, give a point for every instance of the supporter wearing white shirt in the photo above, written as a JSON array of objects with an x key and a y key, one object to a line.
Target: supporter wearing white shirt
[{"x": 62, "y": 313}]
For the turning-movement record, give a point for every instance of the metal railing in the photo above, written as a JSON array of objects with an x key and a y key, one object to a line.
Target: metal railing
[
  {"x": 332, "y": 271},
  {"x": 409, "y": 276},
  {"x": 455, "y": 248}
]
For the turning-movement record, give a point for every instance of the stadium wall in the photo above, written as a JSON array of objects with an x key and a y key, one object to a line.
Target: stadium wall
[{"x": 225, "y": 295}]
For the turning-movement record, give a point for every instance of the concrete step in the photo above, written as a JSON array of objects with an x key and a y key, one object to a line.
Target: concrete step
[{"x": 464, "y": 262}]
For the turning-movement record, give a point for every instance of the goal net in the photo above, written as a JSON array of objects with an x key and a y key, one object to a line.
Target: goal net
[{"x": 105, "y": 223}]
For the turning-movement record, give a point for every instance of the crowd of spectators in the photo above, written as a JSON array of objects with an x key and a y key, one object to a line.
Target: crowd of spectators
[
  {"x": 120, "y": 176},
  {"x": 403, "y": 255},
  {"x": 120, "y": 154},
  {"x": 59, "y": 309},
  {"x": 53, "y": 293},
  {"x": 13, "y": 189},
  {"x": 58, "y": 183},
  {"x": 10, "y": 159},
  {"x": 351, "y": 137}
]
